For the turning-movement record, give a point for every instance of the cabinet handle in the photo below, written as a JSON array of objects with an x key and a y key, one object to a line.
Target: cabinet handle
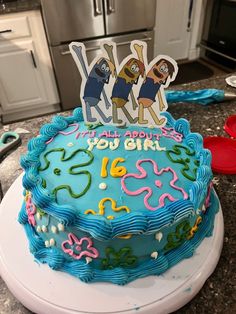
[
  {"x": 190, "y": 11},
  {"x": 97, "y": 7},
  {"x": 67, "y": 52},
  {"x": 110, "y": 6},
  {"x": 124, "y": 43},
  {"x": 33, "y": 59},
  {"x": 6, "y": 31}
]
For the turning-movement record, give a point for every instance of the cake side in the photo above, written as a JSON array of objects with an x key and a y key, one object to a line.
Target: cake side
[{"x": 124, "y": 266}]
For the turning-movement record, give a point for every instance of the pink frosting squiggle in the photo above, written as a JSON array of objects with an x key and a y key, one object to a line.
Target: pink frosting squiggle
[
  {"x": 50, "y": 141},
  {"x": 163, "y": 197},
  {"x": 76, "y": 127},
  {"x": 143, "y": 174},
  {"x": 171, "y": 133},
  {"x": 30, "y": 210},
  {"x": 77, "y": 244},
  {"x": 207, "y": 201}
]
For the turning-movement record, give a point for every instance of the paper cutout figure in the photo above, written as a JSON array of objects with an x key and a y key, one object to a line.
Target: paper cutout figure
[
  {"x": 94, "y": 79},
  {"x": 109, "y": 50},
  {"x": 120, "y": 94},
  {"x": 99, "y": 75},
  {"x": 162, "y": 71},
  {"x": 128, "y": 75}
]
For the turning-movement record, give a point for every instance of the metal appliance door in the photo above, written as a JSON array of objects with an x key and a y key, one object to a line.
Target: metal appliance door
[
  {"x": 125, "y": 16},
  {"x": 65, "y": 20},
  {"x": 67, "y": 74}
]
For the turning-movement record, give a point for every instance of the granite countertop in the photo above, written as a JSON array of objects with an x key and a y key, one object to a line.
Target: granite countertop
[
  {"x": 218, "y": 295},
  {"x": 19, "y": 5}
]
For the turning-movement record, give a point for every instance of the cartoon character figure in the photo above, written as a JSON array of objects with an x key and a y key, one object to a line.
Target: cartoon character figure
[
  {"x": 98, "y": 76},
  {"x": 128, "y": 76},
  {"x": 157, "y": 76}
]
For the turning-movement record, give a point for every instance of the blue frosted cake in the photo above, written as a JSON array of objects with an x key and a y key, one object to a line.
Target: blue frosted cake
[{"x": 106, "y": 203}]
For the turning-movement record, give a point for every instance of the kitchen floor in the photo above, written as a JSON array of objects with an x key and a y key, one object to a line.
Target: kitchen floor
[{"x": 191, "y": 71}]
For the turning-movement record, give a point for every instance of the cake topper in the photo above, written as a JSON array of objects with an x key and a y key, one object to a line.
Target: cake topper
[{"x": 131, "y": 92}]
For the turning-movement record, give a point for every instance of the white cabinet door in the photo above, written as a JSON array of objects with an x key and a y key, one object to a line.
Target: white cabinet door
[
  {"x": 21, "y": 82},
  {"x": 172, "y": 36}
]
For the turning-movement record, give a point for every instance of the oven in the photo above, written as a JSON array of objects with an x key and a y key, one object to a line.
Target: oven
[{"x": 219, "y": 37}]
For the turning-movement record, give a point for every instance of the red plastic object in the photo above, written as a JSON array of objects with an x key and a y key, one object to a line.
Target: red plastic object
[
  {"x": 230, "y": 126},
  {"x": 223, "y": 154}
]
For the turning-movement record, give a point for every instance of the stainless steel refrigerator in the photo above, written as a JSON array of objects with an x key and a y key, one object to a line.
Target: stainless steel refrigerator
[{"x": 93, "y": 21}]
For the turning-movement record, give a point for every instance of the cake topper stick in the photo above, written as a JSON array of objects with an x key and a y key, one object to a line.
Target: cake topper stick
[{"x": 98, "y": 76}]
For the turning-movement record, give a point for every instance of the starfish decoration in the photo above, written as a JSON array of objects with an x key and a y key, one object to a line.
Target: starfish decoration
[
  {"x": 175, "y": 239},
  {"x": 176, "y": 155},
  {"x": 74, "y": 247},
  {"x": 158, "y": 183},
  {"x": 73, "y": 170},
  {"x": 122, "y": 258}
]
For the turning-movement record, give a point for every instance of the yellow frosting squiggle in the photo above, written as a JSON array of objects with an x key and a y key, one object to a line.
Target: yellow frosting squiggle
[
  {"x": 195, "y": 227},
  {"x": 101, "y": 207},
  {"x": 101, "y": 212}
]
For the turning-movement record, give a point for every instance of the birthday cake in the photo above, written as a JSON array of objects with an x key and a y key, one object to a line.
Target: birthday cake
[{"x": 108, "y": 201}]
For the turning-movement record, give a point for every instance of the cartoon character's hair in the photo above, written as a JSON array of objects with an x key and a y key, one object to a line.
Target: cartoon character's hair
[
  {"x": 171, "y": 68},
  {"x": 109, "y": 63},
  {"x": 140, "y": 65}
]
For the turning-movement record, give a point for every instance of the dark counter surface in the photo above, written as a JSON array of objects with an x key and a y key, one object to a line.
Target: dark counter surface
[
  {"x": 19, "y": 5},
  {"x": 218, "y": 295}
]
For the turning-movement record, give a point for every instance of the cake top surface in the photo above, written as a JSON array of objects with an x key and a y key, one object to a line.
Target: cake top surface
[{"x": 109, "y": 180}]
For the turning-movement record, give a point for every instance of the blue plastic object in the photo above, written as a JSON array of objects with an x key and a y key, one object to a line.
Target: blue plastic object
[{"x": 202, "y": 96}]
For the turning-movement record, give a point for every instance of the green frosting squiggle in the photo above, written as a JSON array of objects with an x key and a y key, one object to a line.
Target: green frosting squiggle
[
  {"x": 175, "y": 239},
  {"x": 69, "y": 189},
  {"x": 71, "y": 170},
  {"x": 186, "y": 171},
  {"x": 57, "y": 171},
  {"x": 93, "y": 126},
  {"x": 122, "y": 258},
  {"x": 63, "y": 158}
]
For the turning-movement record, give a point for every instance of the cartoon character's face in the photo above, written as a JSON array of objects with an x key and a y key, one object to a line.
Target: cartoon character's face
[
  {"x": 159, "y": 72},
  {"x": 130, "y": 71},
  {"x": 101, "y": 71}
]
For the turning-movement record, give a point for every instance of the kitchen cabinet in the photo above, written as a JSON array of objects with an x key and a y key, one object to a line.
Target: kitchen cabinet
[
  {"x": 27, "y": 84},
  {"x": 21, "y": 82}
]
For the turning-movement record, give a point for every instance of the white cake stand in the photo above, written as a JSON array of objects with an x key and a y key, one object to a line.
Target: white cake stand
[{"x": 45, "y": 291}]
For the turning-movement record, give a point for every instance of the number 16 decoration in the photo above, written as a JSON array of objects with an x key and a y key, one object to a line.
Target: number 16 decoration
[{"x": 131, "y": 92}]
